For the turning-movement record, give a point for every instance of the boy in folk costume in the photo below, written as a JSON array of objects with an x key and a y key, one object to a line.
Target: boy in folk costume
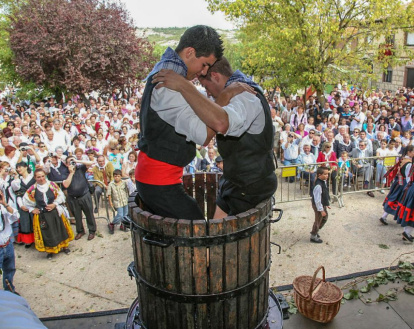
[{"x": 320, "y": 202}]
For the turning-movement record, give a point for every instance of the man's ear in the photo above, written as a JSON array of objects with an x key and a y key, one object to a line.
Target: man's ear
[
  {"x": 215, "y": 76},
  {"x": 189, "y": 52}
]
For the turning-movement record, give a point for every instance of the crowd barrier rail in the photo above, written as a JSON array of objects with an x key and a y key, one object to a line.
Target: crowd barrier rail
[{"x": 294, "y": 181}]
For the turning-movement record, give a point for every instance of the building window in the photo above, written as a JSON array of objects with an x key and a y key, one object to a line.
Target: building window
[
  {"x": 410, "y": 39},
  {"x": 387, "y": 76}
]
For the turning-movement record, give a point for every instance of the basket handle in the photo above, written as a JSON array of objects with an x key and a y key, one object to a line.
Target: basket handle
[{"x": 311, "y": 288}]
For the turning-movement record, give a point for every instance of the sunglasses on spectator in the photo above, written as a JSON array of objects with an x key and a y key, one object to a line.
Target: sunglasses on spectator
[{"x": 327, "y": 147}]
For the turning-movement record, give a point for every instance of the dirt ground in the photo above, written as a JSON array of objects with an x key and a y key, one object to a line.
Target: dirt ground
[{"x": 93, "y": 277}]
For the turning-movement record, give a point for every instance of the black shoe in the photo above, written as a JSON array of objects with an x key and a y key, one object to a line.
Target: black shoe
[
  {"x": 316, "y": 240},
  {"x": 371, "y": 194},
  {"x": 49, "y": 256},
  {"x": 27, "y": 246},
  {"x": 66, "y": 251},
  {"x": 95, "y": 210},
  {"x": 383, "y": 221},
  {"x": 407, "y": 237}
]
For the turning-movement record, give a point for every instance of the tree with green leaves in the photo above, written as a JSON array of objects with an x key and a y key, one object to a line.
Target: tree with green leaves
[{"x": 295, "y": 44}]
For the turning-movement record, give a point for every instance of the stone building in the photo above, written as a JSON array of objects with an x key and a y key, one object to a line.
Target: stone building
[{"x": 398, "y": 76}]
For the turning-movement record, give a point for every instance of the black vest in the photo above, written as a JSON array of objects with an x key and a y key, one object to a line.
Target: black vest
[
  {"x": 325, "y": 192},
  {"x": 58, "y": 175},
  {"x": 158, "y": 139},
  {"x": 248, "y": 158}
]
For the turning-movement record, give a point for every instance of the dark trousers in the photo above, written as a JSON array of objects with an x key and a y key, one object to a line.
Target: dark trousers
[
  {"x": 169, "y": 201},
  {"x": 98, "y": 193},
  {"x": 82, "y": 204},
  {"x": 320, "y": 220}
]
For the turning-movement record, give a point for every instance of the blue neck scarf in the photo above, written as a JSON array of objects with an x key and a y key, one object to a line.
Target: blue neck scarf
[
  {"x": 170, "y": 61},
  {"x": 240, "y": 77}
]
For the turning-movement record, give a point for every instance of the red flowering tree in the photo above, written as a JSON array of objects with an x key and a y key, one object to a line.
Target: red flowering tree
[{"x": 77, "y": 45}]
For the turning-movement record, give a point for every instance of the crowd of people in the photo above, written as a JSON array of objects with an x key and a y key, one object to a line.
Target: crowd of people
[
  {"x": 344, "y": 132},
  {"x": 54, "y": 160},
  {"x": 91, "y": 147}
]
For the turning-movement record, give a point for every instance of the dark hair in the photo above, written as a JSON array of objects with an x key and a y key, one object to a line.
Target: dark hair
[
  {"x": 117, "y": 172},
  {"x": 39, "y": 170},
  {"x": 21, "y": 164},
  {"x": 221, "y": 66},
  {"x": 204, "y": 39},
  {"x": 409, "y": 148},
  {"x": 321, "y": 170}
]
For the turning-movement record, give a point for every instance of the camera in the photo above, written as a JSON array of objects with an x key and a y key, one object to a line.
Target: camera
[
  {"x": 50, "y": 154},
  {"x": 23, "y": 149},
  {"x": 72, "y": 163}
]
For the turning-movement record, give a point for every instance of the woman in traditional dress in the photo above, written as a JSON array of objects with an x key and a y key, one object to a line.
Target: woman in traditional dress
[
  {"x": 401, "y": 172},
  {"x": 20, "y": 185},
  {"x": 405, "y": 209},
  {"x": 51, "y": 228}
]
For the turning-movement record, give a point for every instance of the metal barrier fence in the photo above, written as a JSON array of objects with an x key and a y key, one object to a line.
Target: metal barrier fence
[
  {"x": 367, "y": 175},
  {"x": 363, "y": 174},
  {"x": 295, "y": 181}
]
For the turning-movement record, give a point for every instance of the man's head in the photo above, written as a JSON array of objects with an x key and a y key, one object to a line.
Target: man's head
[
  {"x": 4, "y": 141},
  {"x": 101, "y": 161},
  {"x": 211, "y": 154},
  {"x": 199, "y": 47},
  {"x": 216, "y": 77}
]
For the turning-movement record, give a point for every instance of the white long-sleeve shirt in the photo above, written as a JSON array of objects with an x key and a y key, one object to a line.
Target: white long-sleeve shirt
[
  {"x": 5, "y": 224},
  {"x": 244, "y": 111}
]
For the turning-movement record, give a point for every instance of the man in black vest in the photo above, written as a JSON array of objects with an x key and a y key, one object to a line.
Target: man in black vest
[
  {"x": 170, "y": 129},
  {"x": 244, "y": 135}
]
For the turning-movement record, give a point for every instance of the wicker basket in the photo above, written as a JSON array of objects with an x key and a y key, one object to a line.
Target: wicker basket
[{"x": 317, "y": 299}]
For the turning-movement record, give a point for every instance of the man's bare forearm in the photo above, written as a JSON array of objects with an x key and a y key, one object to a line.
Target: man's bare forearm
[{"x": 209, "y": 112}]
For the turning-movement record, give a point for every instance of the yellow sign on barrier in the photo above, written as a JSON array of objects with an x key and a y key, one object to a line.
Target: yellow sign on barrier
[
  {"x": 389, "y": 161},
  {"x": 289, "y": 172}
]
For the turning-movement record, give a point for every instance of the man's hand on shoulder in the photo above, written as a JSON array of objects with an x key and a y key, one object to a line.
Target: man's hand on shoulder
[
  {"x": 169, "y": 79},
  {"x": 233, "y": 90}
]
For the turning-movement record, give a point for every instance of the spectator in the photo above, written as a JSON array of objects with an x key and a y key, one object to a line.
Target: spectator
[
  {"x": 344, "y": 145},
  {"x": 118, "y": 199},
  {"x": 308, "y": 170},
  {"x": 20, "y": 185},
  {"x": 103, "y": 172},
  {"x": 52, "y": 229},
  {"x": 362, "y": 165},
  {"x": 209, "y": 162},
  {"x": 7, "y": 258},
  {"x": 79, "y": 197},
  {"x": 291, "y": 151},
  {"x": 328, "y": 157},
  {"x": 345, "y": 169}
]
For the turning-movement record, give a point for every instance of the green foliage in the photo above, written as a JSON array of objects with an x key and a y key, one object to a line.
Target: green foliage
[
  {"x": 292, "y": 307},
  {"x": 352, "y": 294},
  {"x": 314, "y": 42}
]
